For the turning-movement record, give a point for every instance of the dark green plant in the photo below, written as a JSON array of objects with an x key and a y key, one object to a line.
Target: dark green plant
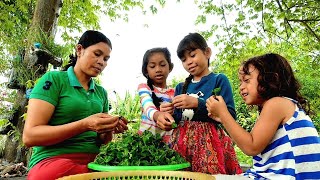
[{"x": 138, "y": 150}]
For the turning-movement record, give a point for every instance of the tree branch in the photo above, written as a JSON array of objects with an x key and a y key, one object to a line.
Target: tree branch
[
  {"x": 293, "y": 45},
  {"x": 285, "y": 19},
  {"x": 279, "y": 4},
  {"x": 225, "y": 20},
  {"x": 285, "y": 4},
  {"x": 304, "y": 5},
  {"x": 262, "y": 14},
  {"x": 303, "y": 20},
  {"x": 310, "y": 29}
]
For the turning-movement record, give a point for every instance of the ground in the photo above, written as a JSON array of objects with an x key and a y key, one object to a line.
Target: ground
[
  {"x": 12, "y": 171},
  {"x": 16, "y": 178}
]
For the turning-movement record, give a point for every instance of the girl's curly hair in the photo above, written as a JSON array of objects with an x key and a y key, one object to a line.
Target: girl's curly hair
[{"x": 276, "y": 78}]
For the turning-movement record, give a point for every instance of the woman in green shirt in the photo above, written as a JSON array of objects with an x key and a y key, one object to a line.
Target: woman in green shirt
[{"x": 67, "y": 118}]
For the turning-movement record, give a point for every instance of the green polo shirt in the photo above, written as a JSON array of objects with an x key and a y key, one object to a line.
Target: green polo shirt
[{"x": 72, "y": 103}]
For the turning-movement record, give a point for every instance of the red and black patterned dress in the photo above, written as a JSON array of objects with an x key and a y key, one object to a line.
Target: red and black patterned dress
[
  {"x": 208, "y": 149},
  {"x": 199, "y": 138}
]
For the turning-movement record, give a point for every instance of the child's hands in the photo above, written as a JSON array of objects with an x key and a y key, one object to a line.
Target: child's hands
[
  {"x": 166, "y": 107},
  {"x": 216, "y": 107},
  {"x": 164, "y": 120},
  {"x": 184, "y": 101}
]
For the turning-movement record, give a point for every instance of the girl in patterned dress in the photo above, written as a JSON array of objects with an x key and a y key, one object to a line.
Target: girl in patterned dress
[
  {"x": 283, "y": 142},
  {"x": 155, "y": 95},
  {"x": 198, "y": 138}
]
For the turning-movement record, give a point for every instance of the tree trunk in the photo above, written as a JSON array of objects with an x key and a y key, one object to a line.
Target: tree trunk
[
  {"x": 46, "y": 15},
  {"x": 44, "y": 20},
  {"x": 14, "y": 150}
]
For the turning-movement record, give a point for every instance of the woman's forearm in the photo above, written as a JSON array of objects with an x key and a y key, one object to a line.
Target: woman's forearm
[{"x": 45, "y": 135}]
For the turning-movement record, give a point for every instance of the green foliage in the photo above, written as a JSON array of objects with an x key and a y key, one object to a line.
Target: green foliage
[
  {"x": 216, "y": 91},
  {"x": 138, "y": 150},
  {"x": 294, "y": 22},
  {"x": 75, "y": 16},
  {"x": 4, "y": 123},
  {"x": 4, "y": 63},
  {"x": 15, "y": 19},
  {"x": 7, "y": 108},
  {"x": 175, "y": 81},
  {"x": 128, "y": 107},
  {"x": 307, "y": 73},
  {"x": 7, "y": 99},
  {"x": 78, "y": 15},
  {"x": 48, "y": 43},
  {"x": 243, "y": 158},
  {"x": 24, "y": 72}
]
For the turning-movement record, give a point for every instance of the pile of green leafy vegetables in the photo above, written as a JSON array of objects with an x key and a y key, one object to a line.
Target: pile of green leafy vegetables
[{"x": 138, "y": 150}]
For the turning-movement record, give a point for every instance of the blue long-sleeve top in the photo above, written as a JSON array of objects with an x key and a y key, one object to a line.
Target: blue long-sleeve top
[{"x": 203, "y": 89}]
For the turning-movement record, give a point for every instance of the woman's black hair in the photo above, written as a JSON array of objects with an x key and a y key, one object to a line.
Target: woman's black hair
[
  {"x": 276, "y": 78},
  {"x": 88, "y": 38},
  {"x": 191, "y": 42},
  {"x": 145, "y": 61}
]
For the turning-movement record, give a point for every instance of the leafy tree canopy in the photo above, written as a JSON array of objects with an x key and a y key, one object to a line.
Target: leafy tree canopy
[
  {"x": 295, "y": 22},
  {"x": 16, "y": 17}
]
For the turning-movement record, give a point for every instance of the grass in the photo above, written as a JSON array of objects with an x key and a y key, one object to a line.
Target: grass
[{"x": 243, "y": 158}]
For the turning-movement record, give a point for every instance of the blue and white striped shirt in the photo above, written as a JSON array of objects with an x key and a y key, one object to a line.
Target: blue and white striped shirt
[{"x": 294, "y": 152}]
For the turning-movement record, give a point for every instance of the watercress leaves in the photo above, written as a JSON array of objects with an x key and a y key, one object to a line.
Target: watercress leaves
[{"x": 138, "y": 150}]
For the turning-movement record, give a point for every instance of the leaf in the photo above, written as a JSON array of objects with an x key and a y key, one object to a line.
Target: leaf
[
  {"x": 174, "y": 125},
  {"x": 216, "y": 91}
]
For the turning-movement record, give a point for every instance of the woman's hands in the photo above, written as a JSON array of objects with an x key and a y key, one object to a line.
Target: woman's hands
[
  {"x": 121, "y": 126},
  {"x": 102, "y": 123}
]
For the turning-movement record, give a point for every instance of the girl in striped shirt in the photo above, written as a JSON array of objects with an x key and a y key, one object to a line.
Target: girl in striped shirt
[
  {"x": 155, "y": 95},
  {"x": 283, "y": 142}
]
